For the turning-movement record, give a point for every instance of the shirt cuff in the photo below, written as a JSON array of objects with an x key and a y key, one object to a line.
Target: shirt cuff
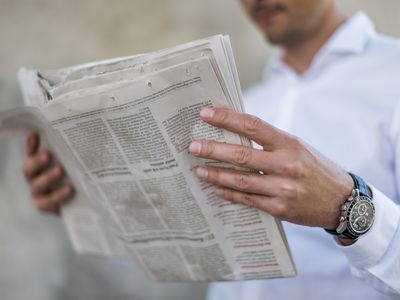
[{"x": 369, "y": 248}]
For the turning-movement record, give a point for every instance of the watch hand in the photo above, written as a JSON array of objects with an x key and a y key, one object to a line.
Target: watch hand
[{"x": 356, "y": 221}]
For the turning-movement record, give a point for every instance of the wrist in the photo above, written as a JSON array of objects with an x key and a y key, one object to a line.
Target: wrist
[{"x": 343, "y": 191}]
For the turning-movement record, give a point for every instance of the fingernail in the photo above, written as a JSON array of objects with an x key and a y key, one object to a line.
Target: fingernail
[
  {"x": 219, "y": 191},
  {"x": 195, "y": 147},
  {"x": 207, "y": 113},
  {"x": 202, "y": 172}
]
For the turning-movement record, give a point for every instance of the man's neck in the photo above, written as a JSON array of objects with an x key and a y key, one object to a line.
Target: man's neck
[{"x": 300, "y": 55}]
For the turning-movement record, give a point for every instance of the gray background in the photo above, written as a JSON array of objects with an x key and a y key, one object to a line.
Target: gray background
[{"x": 36, "y": 259}]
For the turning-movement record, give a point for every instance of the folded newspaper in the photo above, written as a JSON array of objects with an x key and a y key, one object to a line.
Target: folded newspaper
[{"x": 122, "y": 128}]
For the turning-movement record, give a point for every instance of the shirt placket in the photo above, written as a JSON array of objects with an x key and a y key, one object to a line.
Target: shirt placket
[{"x": 288, "y": 103}]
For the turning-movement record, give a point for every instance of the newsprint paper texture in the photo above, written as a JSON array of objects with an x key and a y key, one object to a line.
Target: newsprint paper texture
[{"x": 121, "y": 128}]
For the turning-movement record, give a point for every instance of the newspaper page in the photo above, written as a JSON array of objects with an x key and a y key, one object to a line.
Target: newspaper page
[
  {"x": 126, "y": 132},
  {"x": 88, "y": 236}
]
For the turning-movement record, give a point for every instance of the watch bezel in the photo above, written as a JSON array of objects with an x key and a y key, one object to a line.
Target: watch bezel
[{"x": 350, "y": 227}]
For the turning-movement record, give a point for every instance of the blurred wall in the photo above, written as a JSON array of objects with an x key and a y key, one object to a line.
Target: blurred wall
[{"x": 36, "y": 260}]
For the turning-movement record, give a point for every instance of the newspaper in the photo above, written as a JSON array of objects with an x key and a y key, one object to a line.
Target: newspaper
[{"x": 122, "y": 128}]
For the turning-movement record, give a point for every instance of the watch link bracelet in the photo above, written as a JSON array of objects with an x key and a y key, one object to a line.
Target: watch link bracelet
[{"x": 357, "y": 212}]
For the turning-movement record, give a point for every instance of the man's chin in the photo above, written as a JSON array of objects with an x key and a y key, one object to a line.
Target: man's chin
[
  {"x": 274, "y": 33},
  {"x": 274, "y": 38}
]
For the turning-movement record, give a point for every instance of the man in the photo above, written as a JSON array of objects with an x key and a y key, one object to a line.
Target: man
[{"x": 332, "y": 86}]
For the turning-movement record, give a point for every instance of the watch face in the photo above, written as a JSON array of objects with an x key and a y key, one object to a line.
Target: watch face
[{"x": 361, "y": 216}]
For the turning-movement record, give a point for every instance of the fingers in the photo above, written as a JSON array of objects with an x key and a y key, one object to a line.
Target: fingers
[
  {"x": 240, "y": 181},
  {"x": 32, "y": 144},
  {"x": 46, "y": 182},
  {"x": 36, "y": 163},
  {"x": 269, "y": 193},
  {"x": 51, "y": 201},
  {"x": 235, "y": 154},
  {"x": 247, "y": 125},
  {"x": 41, "y": 183},
  {"x": 267, "y": 204}
]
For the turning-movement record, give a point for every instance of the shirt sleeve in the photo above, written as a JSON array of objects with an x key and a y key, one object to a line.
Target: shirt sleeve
[{"x": 375, "y": 257}]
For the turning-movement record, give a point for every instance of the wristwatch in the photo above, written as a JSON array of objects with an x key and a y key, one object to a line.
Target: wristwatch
[{"x": 357, "y": 212}]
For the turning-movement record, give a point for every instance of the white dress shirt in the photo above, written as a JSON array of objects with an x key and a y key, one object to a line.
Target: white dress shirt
[{"x": 346, "y": 106}]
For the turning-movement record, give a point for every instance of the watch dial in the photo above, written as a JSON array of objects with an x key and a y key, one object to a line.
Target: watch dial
[{"x": 361, "y": 216}]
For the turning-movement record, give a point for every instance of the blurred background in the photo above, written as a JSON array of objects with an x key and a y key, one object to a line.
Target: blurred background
[{"x": 36, "y": 259}]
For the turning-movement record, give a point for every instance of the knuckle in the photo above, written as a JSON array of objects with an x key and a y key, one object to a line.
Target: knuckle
[
  {"x": 222, "y": 115},
  {"x": 288, "y": 191},
  {"x": 213, "y": 175},
  {"x": 207, "y": 147},
  {"x": 252, "y": 124},
  {"x": 242, "y": 156},
  {"x": 294, "y": 169},
  {"x": 242, "y": 181}
]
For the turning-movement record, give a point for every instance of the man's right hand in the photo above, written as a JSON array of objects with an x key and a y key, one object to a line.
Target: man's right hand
[{"x": 45, "y": 177}]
